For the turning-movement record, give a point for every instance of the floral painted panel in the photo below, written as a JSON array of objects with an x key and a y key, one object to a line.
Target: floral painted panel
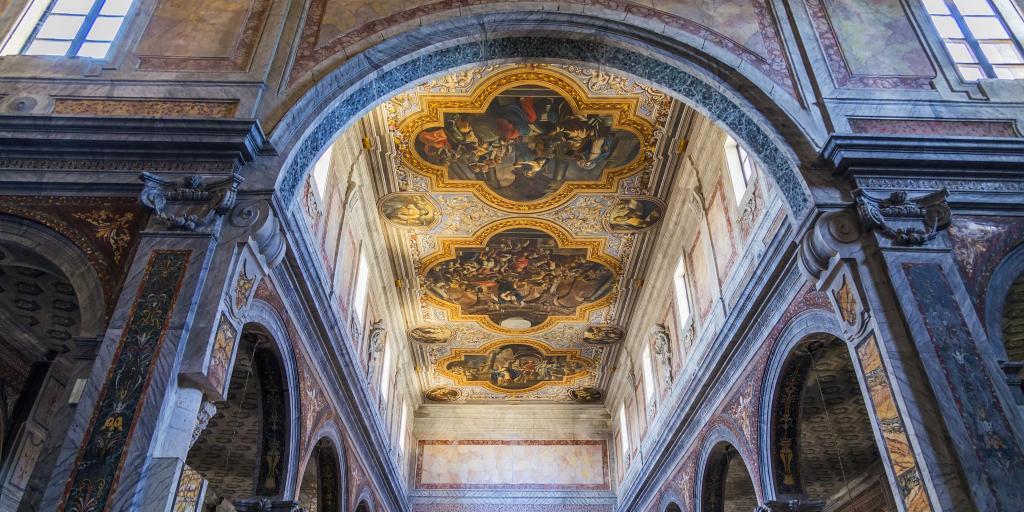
[{"x": 98, "y": 465}]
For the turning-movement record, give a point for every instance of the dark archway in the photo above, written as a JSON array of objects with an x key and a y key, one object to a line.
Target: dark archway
[
  {"x": 51, "y": 311},
  {"x": 321, "y": 487},
  {"x": 727, "y": 486},
  {"x": 672, "y": 507},
  {"x": 823, "y": 444},
  {"x": 243, "y": 452},
  {"x": 363, "y": 506}
]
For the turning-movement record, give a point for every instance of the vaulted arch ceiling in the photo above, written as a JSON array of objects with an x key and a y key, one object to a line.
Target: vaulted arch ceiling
[{"x": 521, "y": 201}]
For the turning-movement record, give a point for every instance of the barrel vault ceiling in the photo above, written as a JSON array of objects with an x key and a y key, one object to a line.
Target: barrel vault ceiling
[{"x": 520, "y": 203}]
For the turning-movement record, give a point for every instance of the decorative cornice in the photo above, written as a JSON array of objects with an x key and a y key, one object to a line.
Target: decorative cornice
[
  {"x": 901, "y": 155},
  {"x": 131, "y": 138}
]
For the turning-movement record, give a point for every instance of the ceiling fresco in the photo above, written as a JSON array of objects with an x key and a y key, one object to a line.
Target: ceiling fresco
[{"x": 520, "y": 196}]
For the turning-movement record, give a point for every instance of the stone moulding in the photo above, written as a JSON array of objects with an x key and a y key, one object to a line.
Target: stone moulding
[{"x": 879, "y": 214}]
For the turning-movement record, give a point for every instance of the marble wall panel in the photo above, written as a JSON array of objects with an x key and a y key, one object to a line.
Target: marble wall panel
[
  {"x": 980, "y": 243},
  {"x": 720, "y": 225},
  {"x": 511, "y": 465},
  {"x": 704, "y": 283}
]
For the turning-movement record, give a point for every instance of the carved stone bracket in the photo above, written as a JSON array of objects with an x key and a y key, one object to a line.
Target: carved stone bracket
[
  {"x": 206, "y": 411},
  {"x": 189, "y": 205},
  {"x": 882, "y": 215}
]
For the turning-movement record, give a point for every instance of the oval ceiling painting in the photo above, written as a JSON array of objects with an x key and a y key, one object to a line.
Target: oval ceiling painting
[
  {"x": 518, "y": 280},
  {"x": 516, "y": 366}
]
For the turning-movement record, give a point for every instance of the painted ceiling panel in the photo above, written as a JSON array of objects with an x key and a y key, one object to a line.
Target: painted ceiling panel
[{"x": 519, "y": 196}]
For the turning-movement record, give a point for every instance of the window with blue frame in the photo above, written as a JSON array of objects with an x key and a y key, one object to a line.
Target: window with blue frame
[
  {"x": 71, "y": 28},
  {"x": 978, "y": 37}
]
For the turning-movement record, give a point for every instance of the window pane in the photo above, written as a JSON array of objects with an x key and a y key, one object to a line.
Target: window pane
[
  {"x": 974, "y": 7},
  {"x": 94, "y": 50},
  {"x": 73, "y": 6},
  {"x": 48, "y": 48},
  {"x": 116, "y": 7},
  {"x": 1009, "y": 72},
  {"x": 59, "y": 26},
  {"x": 1001, "y": 53},
  {"x": 986, "y": 28},
  {"x": 936, "y": 7},
  {"x": 971, "y": 73},
  {"x": 947, "y": 27},
  {"x": 104, "y": 29},
  {"x": 960, "y": 52}
]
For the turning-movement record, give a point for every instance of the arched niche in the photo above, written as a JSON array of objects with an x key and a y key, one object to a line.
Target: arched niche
[
  {"x": 766, "y": 129},
  {"x": 245, "y": 451},
  {"x": 322, "y": 486},
  {"x": 822, "y": 445},
  {"x": 672, "y": 507},
  {"x": 51, "y": 303},
  {"x": 363, "y": 506},
  {"x": 726, "y": 485}
]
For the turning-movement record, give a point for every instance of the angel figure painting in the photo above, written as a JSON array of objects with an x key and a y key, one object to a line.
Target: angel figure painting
[
  {"x": 516, "y": 367},
  {"x": 526, "y": 143},
  {"x": 518, "y": 279}
]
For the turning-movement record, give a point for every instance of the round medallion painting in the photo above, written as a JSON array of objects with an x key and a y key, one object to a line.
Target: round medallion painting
[
  {"x": 442, "y": 394},
  {"x": 409, "y": 210},
  {"x": 431, "y": 334},
  {"x": 603, "y": 334},
  {"x": 586, "y": 395},
  {"x": 633, "y": 214}
]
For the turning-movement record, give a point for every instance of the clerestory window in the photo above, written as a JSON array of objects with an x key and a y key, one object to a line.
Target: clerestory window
[
  {"x": 741, "y": 167},
  {"x": 978, "y": 38},
  {"x": 70, "y": 28}
]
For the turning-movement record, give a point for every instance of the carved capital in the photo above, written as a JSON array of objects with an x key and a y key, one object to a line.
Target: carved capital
[
  {"x": 189, "y": 205},
  {"x": 903, "y": 220}
]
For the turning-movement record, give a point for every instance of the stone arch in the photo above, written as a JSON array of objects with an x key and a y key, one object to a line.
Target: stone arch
[
  {"x": 363, "y": 506},
  {"x": 65, "y": 257},
  {"x": 724, "y": 482},
  {"x": 51, "y": 303},
  {"x": 324, "y": 111},
  {"x": 1004, "y": 307},
  {"x": 800, "y": 327},
  {"x": 818, "y": 439},
  {"x": 328, "y": 437},
  {"x": 247, "y": 449}
]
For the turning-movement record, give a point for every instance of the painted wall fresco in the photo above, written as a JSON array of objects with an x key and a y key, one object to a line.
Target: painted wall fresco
[
  {"x": 870, "y": 43},
  {"x": 202, "y": 35},
  {"x": 99, "y": 460},
  {"x": 996, "y": 452},
  {"x": 512, "y": 465},
  {"x": 979, "y": 246},
  {"x": 745, "y": 28}
]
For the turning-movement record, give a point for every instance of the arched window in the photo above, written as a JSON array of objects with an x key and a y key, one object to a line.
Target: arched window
[
  {"x": 623, "y": 431},
  {"x": 682, "y": 295},
  {"x": 741, "y": 168},
  {"x": 71, "y": 28},
  {"x": 361, "y": 291},
  {"x": 978, "y": 37},
  {"x": 648, "y": 374},
  {"x": 363, "y": 507}
]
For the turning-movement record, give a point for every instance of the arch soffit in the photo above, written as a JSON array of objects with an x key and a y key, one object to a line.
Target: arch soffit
[
  {"x": 799, "y": 329},
  {"x": 331, "y": 432},
  {"x": 261, "y": 315},
  {"x": 359, "y": 84},
  {"x": 1008, "y": 270},
  {"x": 69, "y": 259},
  {"x": 717, "y": 437}
]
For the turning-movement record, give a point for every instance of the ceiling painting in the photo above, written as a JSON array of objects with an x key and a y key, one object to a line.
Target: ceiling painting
[
  {"x": 520, "y": 276},
  {"x": 516, "y": 366},
  {"x": 518, "y": 198},
  {"x": 526, "y": 140}
]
